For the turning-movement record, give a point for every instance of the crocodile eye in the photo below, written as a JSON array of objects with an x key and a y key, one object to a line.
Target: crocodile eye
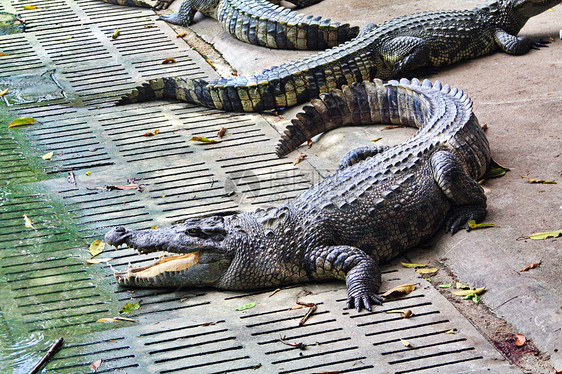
[{"x": 194, "y": 231}]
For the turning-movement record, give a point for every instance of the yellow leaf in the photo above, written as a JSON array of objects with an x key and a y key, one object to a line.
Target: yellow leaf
[
  {"x": 461, "y": 286},
  {"x": 545, "y": 235},
  {"x": 28, "y": 222},
  {"x": 181, "y": 34},
  {"x": 426, "y": 271},
  {"x": 115, "y": 34},
  {"x": 97, "y": 247},
  {"x": 88, "y": 173},
  {"x": 4, "y": 92},
  {"x": 97, "y": 260},
  {"x": 376, "y": 139},
  {"x": 410, "y": 265},
  {"x": 405, "y": 343},
  {"x": 474, "y": 226},
  {"x": 204, "y": 140},
  {"x": 106, "y": 320},
  {"x": 47, "y": 156},
  {"x": 538, "y": 181},
  {"x": 403, "y": 289},
  {"x": 451, "y": 331},
  {"x": 475, "y": 291},
  {"x": 3, "y": 54},
  {"x": 29, "y": 7},
  {"x": 22, "y": 121}
]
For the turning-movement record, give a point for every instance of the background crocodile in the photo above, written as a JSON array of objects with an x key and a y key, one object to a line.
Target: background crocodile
[
  {"x": 381, "y": 202},
  {"x": 397, "y": 48},
  {"x": 261, "y": 22}
]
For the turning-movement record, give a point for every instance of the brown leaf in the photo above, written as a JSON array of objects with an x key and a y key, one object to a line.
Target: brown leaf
[
  {"x": 301, "y": 157},
  {"x": 180, "y": 35},
  {"x": 221, "y": 132},
  {"x": 96, "y": 365},
  {"x": 520, "y": 340},
  {"x": 3, "y": 54},
  {"x": 390, "y": 127},
  {"x": 168, "y": 61},
  {"x": 485, "y": 127},
  {"x": 155, "y": 132},
  {"x": 531, "y": 266},
  {"x": 400, "y": 290},
  {"x": 309, "y": 143}
]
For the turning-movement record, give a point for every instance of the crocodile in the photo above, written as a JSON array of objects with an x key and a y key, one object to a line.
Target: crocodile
[
  {"x": 381, "y": 202},
  {"x": 261, "y": 22},
  {"x": 401, "y": 47}
]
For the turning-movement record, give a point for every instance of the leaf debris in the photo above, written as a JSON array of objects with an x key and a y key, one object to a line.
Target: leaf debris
[
  {"x": 130, "y": 307},
  {"x": 169, "y": 61},
  {"x": 221, "y": 132},
  {"x": 28, "y": 222},
  {"x": 47, "y": 156},
  {"x": 520, "y": 340},
  {"x": 475, "y": 226},
  {"x": 410, "y": 265},
  {"x": 400, "y": 290},
  {"x": 545, "y": 235},
  {"x": 538, "y": 181},
  {"x": 531, "y": 266},
  {"x": 301, "y": 157},
  {"x": 96, "y": 365},
  {"x": 4, "y": 92},
  {"x": 151, "y": 133},
  {"x": 202, "y": 139},
  {"x": 22, "y": 121},
  {"x": 299, "y": 345},
  {"x": 97, "y": 247},
  {"x": 246, "y": 306},
  {"x": 115, "y": 34}
]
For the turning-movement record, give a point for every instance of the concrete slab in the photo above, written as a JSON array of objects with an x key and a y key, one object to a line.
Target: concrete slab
[{"x": 519, "y": 99}]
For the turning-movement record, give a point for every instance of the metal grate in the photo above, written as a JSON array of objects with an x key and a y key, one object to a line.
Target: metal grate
[{"x": 47, "y": 288}]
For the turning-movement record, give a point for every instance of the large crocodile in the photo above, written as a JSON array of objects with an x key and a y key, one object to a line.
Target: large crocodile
[
  {"x": 397, "y": 48},
  {"x": 261, "y": 22},
  {"x": 381, "y": 202}
]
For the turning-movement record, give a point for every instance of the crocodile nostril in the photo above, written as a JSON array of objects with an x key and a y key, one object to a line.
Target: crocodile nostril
[{"x": 120, "y": 229}]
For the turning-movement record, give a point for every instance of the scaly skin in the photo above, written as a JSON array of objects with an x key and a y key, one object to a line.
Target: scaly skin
[
  {"x": 380, "y": 203},
  {"x": 260, "y": 22},
  {"x": 397, "y": 48}
]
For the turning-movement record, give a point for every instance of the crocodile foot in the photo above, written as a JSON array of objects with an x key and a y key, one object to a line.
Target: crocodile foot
[{"x": 460, "y": 215}]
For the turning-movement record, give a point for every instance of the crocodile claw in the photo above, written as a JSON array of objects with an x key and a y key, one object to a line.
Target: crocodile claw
[
  {"x": 363, "y": 301},
  {"x": 460, "y": 215}
]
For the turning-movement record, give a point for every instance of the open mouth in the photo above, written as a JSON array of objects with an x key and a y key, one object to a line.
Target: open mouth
[{"x": 171, "y": 263}]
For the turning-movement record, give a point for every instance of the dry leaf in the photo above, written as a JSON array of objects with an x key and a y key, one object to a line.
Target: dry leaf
[
  {"x": 204, "y": 140},
  {"x": 22, "y": 121},
  {"x": 30, "y": 7},
  {"x": 451, "y": 331},
  {"x": 475, "y": 291},
  {"x": 545, "y": 235},
  {"x": 410, "y": 265},
  {"x": 427, "y": 271},
  {"x": 221, "y": 132},
  {"x": 96, "y": 365},
  {"x": 4, "y": 92},
  {"x": 28, "y": 222},
  {"x": 538, "y": 181},
  {"x": 97, "y": 247},
  {"x": 400, "y": 290},
  {"x": 98, "y": 260},
  {"x": 115, "y": 319},
  {"x": 47, "y": 156},
  {"x": 520, "y": 340},
  {"x": 309, "y": 143},
  {"x": 301, "y": 157},
  {"x": 474, "y": 226},
  {"x": 461, "y": 286},
  {"x": 485, "y": 127},
  {"x": 405, "y": 343},
  {"x": 3, "y": 54},
  {"x": 180, "y": 35},
  {"x": 115, "y": 34},
  {"x": 155, "y": 132},
  {"x": 405, "y": 313},
  {"x": 169, "y": 61},
  {"x": 531, "y": 266},
  {"x": 376, "y": 139}
]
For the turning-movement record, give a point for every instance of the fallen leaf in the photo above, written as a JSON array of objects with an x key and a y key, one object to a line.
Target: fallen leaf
[
  {"x": 274, "y": 292},
  {"x": 390, "y": 127},
  {"x": 475, "y": 226},
  {"x": 47, "y": 156},
  {"x": 96, "y": 247},
  {"x": 448, "y": 285},
  {"x": 22, "y": 121},
  {"x": 204, "y": 140},
  {"x": 301, "y": 157},
  {"x": 410, "y": 265},
  {"x": 30, "y": 7},
  {"x": 311, "y": 309},
  {"x": 405, "y": 343},
  {"x": 538, "y": 181},
  {"x": 520, "y": 340},
  {"x": 531, "y": 266},
  {"x": 155, "y": 132},
  {"x": 309, "y": 143},
  {"x": 3, "y": 54},
  {"x": 461, "y": 286},
  {"x": 88, "y": 173},
  {"x": 180, "y": 35},
  {"x": 96, "y": 365},
  {"x": 426, "y": 271},
  {"x": 405, "y": 313},
  {"x": 376, "y": 139},
  {"x": 545, "y": 235},
  {"x": 169, "y": 61},
  {"x": 98, "y": 260},
  {"x": 28, "y": 222},
  {"x": 476, "y": 291},
  {"x": 130, "y": 307},
  {"x": 115, "y": 319},
  {"x": 485, "y": 127},
  {"x": 221, "y": 132},
  {"x": 400, "y": 290},
  {"x": 246, "y": 306},
  {"x": 4, "y": 92},
  {"x": 472, "y": 296},
  {"x": 115, "y": 34},
  {"x": 451, "y": 331},
  {"x": 494, "y": 172}
]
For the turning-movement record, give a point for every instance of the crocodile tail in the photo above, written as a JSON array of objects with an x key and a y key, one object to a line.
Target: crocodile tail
[
  {"x": 262, "y": 23},
  {"x": 194, "y": 91},
  {"x": 137, "y": 3}
]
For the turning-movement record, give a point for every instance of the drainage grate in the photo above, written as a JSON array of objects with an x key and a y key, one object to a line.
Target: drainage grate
[{"x": 47, "y": 288}]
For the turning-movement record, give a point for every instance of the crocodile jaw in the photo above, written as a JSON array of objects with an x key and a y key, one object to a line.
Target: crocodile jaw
[{"x": 530, "y": 8}]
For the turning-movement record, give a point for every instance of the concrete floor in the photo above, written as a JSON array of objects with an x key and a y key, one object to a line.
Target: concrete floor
[{"x": 519, "y": 98}]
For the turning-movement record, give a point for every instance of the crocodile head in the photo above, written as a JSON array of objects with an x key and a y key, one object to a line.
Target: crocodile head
[
  {"x": 200, "y": 256},
  {"x": 530, "y": 8}
]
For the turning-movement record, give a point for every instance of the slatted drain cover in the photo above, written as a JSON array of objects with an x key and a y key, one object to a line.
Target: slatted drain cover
[{"x": 48, "y": 290}]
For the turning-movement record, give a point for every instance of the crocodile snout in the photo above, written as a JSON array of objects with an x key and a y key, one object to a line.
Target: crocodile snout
[{"x": 116, "y": 236}]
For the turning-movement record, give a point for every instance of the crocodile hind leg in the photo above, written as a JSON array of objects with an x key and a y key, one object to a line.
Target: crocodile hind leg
[
  {"x": 361, "y": 273},
  {"x": 517, "y": 45},
  {"x": 360, "y": 154},
  {"x": 466, "y": 195},
  {"x": 405, "y": 54},
  {"x": 184, "y": 15}
]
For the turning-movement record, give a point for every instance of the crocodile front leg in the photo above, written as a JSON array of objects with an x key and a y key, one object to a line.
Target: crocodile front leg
[
  {"x": 361, "y": 273},
  {"x": 359, "y": 154},
  {"x": 465, "y": 194},
  {"x": 517, "y": 45}
]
